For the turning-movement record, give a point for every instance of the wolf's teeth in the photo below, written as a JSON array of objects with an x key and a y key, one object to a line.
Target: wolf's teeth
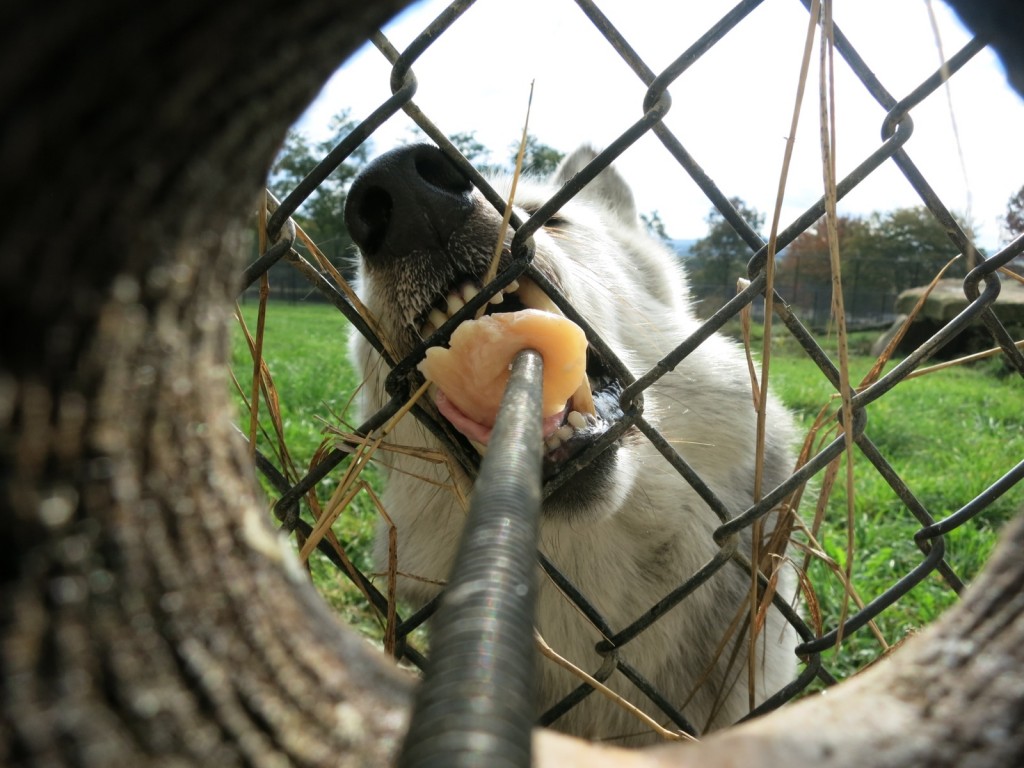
[
  {"x": 426, "y": 330},
  {"x": 532, "y": 296},
  {"x": 576, "y": 420},
  {"x": 455, "y": 303},
  {"x": 468, "y": 291},
  {"x": 583, "y": 399},
  {"x": 512, "y": 287},
  {"x": 437, "y": 318},
  {"x": 496, "y": 298}
]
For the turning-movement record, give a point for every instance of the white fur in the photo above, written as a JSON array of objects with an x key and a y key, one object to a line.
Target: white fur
[{"x": 649, "y": 531}]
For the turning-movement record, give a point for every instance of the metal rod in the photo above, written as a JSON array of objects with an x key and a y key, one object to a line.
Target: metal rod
[{"x": 476, "y": 705}]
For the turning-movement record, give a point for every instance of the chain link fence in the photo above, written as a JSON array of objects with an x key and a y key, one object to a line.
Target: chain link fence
[{"x": 299, "y": 511}]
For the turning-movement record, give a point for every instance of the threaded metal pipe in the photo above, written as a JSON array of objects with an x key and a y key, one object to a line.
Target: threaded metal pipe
[{"x": 476, "y": 704}]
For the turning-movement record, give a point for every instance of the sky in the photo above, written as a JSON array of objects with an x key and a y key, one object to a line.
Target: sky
[{"x": 732, "y": 109}]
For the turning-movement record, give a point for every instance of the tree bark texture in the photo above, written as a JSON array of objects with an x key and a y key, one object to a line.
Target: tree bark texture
[{"x": 148, "y": 614}]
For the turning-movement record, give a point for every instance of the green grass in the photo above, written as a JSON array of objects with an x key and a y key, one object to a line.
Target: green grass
[
  {"x": 304, "y": 348},
  {"x": 949, "y": 435}
]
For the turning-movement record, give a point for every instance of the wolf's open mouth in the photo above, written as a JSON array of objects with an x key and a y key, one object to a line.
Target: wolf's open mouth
[{"x": 584, "y": 416}]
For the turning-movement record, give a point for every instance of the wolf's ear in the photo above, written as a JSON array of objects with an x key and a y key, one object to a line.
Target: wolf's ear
[{"x": 608, "y": 188}]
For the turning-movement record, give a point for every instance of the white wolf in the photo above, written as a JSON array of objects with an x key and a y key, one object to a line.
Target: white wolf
[{"x": 627, "y": 529}]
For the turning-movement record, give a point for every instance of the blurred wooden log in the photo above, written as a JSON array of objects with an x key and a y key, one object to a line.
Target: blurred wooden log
[{"x": 148, "y": 613}]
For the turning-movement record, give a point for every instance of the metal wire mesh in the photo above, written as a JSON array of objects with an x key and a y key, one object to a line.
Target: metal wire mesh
[{"x": 981, "y": 288}]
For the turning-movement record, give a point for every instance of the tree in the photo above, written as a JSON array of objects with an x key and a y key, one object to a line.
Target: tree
[
  {"x": 471, "y": 147},
  {"x": 804, "y": 272},
  {"x": 903, "y": 248},
  {"x": 721, "y": 256},
  {"x": 1014, "y": 225},
  {"x": 655, "y": 226},
  {"x": 1015, "y": 214},
  {"x": 322, "y": 215},
  {"x": 883, "y": 254},
  {"x": 539, "y": 158}
]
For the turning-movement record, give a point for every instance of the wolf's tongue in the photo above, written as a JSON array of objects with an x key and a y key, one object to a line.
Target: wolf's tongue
[
  {"x": 478, "y": 432},
  {"x": 473, "y": 372}
]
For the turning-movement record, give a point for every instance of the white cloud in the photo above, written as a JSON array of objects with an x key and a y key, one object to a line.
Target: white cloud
[{"x": 731, "y": 109}]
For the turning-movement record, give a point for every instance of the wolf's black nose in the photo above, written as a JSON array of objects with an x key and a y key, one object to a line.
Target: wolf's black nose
[{"x": 409, "y": 199}]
